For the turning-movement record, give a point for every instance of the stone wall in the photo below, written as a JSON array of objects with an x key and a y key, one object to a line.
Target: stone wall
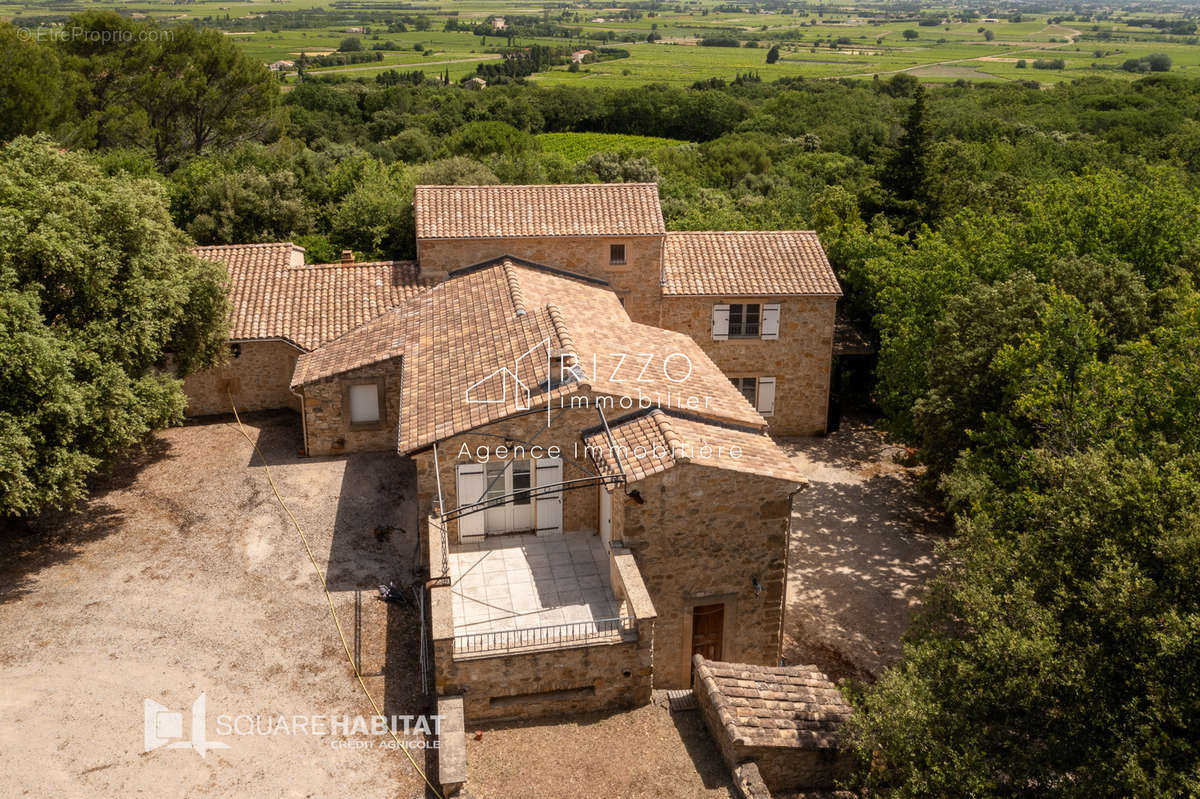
[
  {"x": 257, "y": 378},
  {"x": 548, "y": 682},
  {"x": 327, "y": 417},
  {"x": 799, "y": 360},
  {"x": 637, "y": 282},
  {"x": 789, "y": 769},
  {"x": 581, "y": 506},
  {"x": 701, "y": 538}
]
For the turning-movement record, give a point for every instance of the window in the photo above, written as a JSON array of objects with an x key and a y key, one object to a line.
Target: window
[
  {"x": 758, "y": 391},
  {"x": 744, "y": 320},
  {"x": 522, "y": 482},
  {"x": 494, "y": 474},
  {"x": 616, "y": 253},
  {"x": 364, "y": 403},
  {"x": 748, "y": 386}
]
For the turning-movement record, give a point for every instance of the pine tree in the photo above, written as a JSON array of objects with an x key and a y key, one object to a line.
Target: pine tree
[{"x": 907, "y": 172}]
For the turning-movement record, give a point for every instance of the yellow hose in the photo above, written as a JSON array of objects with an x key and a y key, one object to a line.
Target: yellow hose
[{"x": 329, "y": 599}]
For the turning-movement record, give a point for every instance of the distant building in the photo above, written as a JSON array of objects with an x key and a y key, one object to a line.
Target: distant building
[
  {"x": 498, "y": 23},
  {"x": 475, "y": 83},
  {"x": 281, "y": 66},
  {"x": 579, "y": 55}
]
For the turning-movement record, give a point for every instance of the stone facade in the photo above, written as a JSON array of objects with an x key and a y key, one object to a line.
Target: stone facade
[
  {"x": 581, "y": 507},
  {"x": 327, "y": 426},
  {"x": 702, "y": 537},
  {"x": 257, "y": 378},
  {"x": 637, "y": 282},
  {"x": 800, "y": 359}
]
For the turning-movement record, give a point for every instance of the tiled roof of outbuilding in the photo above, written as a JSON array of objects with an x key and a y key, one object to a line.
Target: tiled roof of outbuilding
[
  {"x": 746, "y": 264},
  {"x": 784, "y": 706},
  {"x": 274, "y": 295},
  {"x": 534, "y": 211}
]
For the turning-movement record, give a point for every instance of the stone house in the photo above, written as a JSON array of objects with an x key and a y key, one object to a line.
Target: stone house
[
  {"x": 586, "y": 399},
  {"x": 535, "y": 408},
  {"x": 762, "y": 304},
  {"x": 281, "y": 308}
]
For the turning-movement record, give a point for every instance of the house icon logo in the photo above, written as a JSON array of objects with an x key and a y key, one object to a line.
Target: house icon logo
[
  {"x": 505, "y": 385},
  {"x": 162, "y": 725}
]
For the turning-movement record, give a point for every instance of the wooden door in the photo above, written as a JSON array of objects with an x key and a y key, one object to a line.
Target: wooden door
[{"x": 708, "y": 630}]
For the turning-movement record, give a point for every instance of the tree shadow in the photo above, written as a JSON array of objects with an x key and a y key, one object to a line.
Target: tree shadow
[
  {"x": 860, "y": 556},
  {"x": 29, "y": 545}
]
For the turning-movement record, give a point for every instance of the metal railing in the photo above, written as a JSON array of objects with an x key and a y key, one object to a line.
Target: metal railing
[{"x": 549, "y": 636}]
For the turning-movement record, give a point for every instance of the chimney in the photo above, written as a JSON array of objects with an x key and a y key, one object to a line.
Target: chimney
[{"x": 347, "y": 256}]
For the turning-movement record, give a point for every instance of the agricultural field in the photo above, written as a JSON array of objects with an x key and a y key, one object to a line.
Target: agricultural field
[
  {"x": 577, "y": 147},
  {"x": 936, "y": 45}
]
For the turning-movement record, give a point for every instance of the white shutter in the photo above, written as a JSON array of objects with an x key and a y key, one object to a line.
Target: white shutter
[
  {"x": 471, "y": 489},
  {"x": 548, "y": 474},
  {"x": 770, "y": 321},
  {"x": 720, "y": 322},
  {"x": 766, "y": 395},
  {"x": 364, "y": 404}
]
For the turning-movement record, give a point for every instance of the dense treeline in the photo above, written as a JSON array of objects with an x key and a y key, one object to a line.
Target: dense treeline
[{"x": 1024, "y": 260}]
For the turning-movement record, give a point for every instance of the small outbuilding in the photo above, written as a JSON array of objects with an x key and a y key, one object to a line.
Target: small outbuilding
[{"x": 784, "y": 720}]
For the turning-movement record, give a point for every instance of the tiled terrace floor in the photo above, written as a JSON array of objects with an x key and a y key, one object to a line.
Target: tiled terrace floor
[{"x": 522, "y": 581}]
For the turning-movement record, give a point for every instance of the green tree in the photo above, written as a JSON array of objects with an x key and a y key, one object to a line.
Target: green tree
[
  {"x": 351, "y": 44},
  {"x": 906, "y": 174},
  {"x": 773, "y": 54},
  {"x": 98, "y": 296},
  {"x": 32, "y": 86},
  {"x": 910, "y": 34}
]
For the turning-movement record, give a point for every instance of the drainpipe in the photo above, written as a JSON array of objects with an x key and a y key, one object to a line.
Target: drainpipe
[{"x": 303, "y": 419}]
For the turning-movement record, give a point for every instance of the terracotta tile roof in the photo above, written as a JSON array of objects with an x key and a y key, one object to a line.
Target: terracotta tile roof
[
  {"x": 486, "y": 331},
  {"x": 785, "y": 706},
  {"x": 746, "y": 264},
  {"x": 275, "y": 295},
  {"x": 590, "y": 209},
  {"x": 653, "y": 442}
]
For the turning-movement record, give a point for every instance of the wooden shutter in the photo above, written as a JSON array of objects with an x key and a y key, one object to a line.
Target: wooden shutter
[
  {"x": 770, "y": 321},
  {"x": 548, "y": 490},
  {"x": 720, "y": 322},
  {"x": 471, "y": 489},
  {"x": 766, "y": 395}
]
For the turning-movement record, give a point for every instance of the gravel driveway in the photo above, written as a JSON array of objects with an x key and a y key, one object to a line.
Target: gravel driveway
[
  {"x": 181, "y": 576},
  {"x": 862, "y": 548}
]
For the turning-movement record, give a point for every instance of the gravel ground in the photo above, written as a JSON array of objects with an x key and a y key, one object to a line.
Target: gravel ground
[
  {"x": 182, "y": 575},
  {"x": 647, "y": 753},
  {"x": 862, "y": 548}
]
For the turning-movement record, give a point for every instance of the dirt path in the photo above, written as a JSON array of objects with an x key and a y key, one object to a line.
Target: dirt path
[
  {"x": 182, "y": 576},
  {"x": 862, "y": 548}
]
